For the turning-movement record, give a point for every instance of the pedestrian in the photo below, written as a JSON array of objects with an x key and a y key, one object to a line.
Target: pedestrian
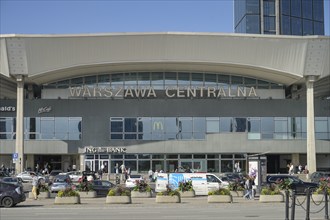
[
  {"x": 37, "y": 168},
  {"x": 291, "y": 172},
  {"x": 35, "y": 189},
  {"x": 150, "y": 173},
  {"x": 248, "y": 188},
  {"x": 237, "y": 167}
]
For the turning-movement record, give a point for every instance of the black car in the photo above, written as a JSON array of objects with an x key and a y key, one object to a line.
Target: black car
[
  {"x": 316, "y": 176},
  {"x": 297, "y": 184},
  {"x": 11, "y": 194},
  {"x": 102, "y": 187},
  {"x": 13, "y": 180}
]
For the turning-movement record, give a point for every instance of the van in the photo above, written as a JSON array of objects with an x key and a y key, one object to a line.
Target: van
[{"x": 203, "y": 183}]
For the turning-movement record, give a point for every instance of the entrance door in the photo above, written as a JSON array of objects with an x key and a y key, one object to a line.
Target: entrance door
[
  {"x": 89, "y": 165},
  {"x": 104, "y": 165}
]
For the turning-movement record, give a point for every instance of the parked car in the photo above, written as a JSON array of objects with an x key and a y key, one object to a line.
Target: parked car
[
  {"x": 87, "y": 175},
  {"x": 297, "y": 185},
  {"x": 3, "y": 174},
  {"x": 61, "y": 182},
  {"x": 234, "y": 178},
  {"x": 52, "y": 175},
  {"x": 316, "y": 176},
  {"x": 26, "y": 176},
  {"x": 102, "y": 187},
  {"x": 11, "y": 194},
  {"x": 131, "y": 180},
  {"x": 75, "y": 175},
  {"x": 13, "y": 180}
]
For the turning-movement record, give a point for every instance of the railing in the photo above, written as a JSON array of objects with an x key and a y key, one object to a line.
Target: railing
[{"x": 292, "y": 201}]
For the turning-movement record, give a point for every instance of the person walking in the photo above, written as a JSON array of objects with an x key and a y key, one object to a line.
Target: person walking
[
  {"x": 248, "y": 187},
  {"x": 34, "y": 186}
]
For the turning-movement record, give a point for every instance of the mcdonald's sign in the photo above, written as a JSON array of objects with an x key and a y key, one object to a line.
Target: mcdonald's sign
[{"x": 158, "y": 125}]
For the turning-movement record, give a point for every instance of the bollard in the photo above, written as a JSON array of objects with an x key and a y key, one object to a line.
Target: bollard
[
  {"x": 308, "y": 203},
  {"x": 326, "y": 216},
  {"x": 287, "y": 204},
  {"x": 293, "y": 209}
]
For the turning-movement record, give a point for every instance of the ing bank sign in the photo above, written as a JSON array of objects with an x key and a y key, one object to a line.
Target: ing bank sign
[
  {"x": 104, "y": 150},
  {"x": 169, "y": 92}
]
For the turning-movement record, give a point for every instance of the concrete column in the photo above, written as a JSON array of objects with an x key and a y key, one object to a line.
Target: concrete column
[
  {"x": 277, "y": 17},
  {"x": 19, "y": 146},
  {"x": 311, "y": 152},
  {"x": 82, "y": 162},
  {"x": 261, "y": 16},
  {"x": 295, "y": 159}
]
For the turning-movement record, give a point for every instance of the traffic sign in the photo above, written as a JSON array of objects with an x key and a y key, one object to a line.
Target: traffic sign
[{"x": 15, "y": 156}]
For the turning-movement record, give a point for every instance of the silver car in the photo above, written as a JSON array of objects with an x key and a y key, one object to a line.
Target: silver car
[
  {"x": 61, "y": 182},
  {"x": 26, "y": 176}
]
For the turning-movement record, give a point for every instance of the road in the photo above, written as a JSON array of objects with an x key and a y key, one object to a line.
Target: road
[{"x": 147, "y": 209}]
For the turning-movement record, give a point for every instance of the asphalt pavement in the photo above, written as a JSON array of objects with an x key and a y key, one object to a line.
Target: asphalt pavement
[{"x": 195, "y": 208}]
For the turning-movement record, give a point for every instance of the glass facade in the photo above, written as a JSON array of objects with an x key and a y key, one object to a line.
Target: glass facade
[
  {"x": 163, "y": 80},
  {"x": 196, "y": 128},
  {"x": 43, "y": 128},
  {"x": 296, "y": 17},
  {"x": 141, "y": 163}
]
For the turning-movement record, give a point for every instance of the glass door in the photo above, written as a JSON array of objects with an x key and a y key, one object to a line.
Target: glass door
[
  {"x": 89, "y": 165},
  {"x": 104, "y": 165}
]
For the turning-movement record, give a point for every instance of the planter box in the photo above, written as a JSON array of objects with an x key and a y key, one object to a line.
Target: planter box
[
  {"x": 118, "y": 200},
  {"x": 187, "y": 194},
  {"x": 237, "y": 193},
  {"x": 67, "y": 200},
  {"x": 137, "y": 194},
  {"x": 42, "y": 195},
  {"x": 219, "y": 199},
  {"x": 271, "y": 198},
  {"x": 168, "y": 199},
  {"x": 90, "y": 194}
]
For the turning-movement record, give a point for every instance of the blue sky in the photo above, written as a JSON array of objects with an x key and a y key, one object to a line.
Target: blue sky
[{"x": 104, "y": 16}]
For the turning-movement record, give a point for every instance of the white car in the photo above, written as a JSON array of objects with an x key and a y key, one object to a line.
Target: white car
[
  {"x": 75, "y": 175},
  {"x": 26, "y": 176},
  {"x": 131, "y": 181}
]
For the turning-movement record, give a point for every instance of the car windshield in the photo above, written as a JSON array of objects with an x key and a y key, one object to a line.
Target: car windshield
[
  {"x": 135, "y": 176},
  {"x": 60, "y": 178}
]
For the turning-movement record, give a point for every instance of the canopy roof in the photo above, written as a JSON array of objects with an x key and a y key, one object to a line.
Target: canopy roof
[{"x": 280, "y": 59}]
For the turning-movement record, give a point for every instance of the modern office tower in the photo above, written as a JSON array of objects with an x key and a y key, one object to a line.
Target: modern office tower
[{"x": 284, "y": 17}]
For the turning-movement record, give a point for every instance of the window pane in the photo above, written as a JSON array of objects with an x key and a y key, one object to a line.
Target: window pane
[
  {"x": 212, "y": 125},
  {"x": 130, "y": 125},
  {"x": 226, "y": 124}
]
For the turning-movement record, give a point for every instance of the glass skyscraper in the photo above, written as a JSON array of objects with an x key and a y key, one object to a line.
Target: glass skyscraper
[{"x": 285, "y": 17}]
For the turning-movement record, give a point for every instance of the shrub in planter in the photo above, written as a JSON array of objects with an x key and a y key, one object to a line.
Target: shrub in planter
[
  {"x": 119, "y": 191},
  {"x": 220, "y": 191},
  {"x": 119, "y": 195},
  {"x": 168, "y": 196},
  {"x": 142, "y": 186},
  {"x": 186, "y": 189},
  {"x": 220, "y": 195},
  {"x": 169, "y": 192},
  {"x": 186, "y": 186},
  {"x": 67, "y": 193},
  {"x": 236, "y": 189},
  {"x": 323, "y": 185},
  {"x": 67, "y": 196},
  {"x": 272, "y": 189},
  {"x": 271, "y": 193},
  {"x": 84, "y": 186}
]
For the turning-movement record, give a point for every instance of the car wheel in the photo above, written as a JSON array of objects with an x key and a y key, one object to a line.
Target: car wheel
[{"x": 8, "y": 202}]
